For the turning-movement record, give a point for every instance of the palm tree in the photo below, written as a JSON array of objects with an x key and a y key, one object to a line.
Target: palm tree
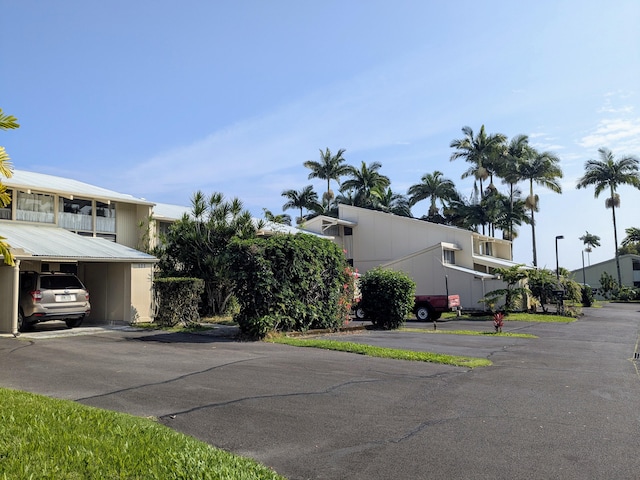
[
  {"x": 330, "y": 167},
  {"x": 481, "y": 151},
  {"x": 633, "y": 236},
  {"x": 305, "y": 198},
  {"x": 7, "y": 122},
  {"x": 542, "y": 169},
  {"x": 363, "y": 181},
  {"x": 508, "y": 169},
  {"x": 609, "y": 174},
  {"x": 590, "y": 241},
  {"x": 283, "y": 218},
  {"x": 388, "y": 201},
  {"x": 433, "y": 186}
]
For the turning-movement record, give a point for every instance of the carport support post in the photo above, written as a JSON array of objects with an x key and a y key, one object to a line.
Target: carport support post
[{"x": 16, "y": 297}]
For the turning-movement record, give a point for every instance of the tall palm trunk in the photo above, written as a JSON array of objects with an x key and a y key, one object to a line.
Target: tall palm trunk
[
  {"x": 615, "y": 234},
  {"x": 533, "y": 223}
]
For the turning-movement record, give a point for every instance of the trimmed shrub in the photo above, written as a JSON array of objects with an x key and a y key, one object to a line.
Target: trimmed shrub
[
  {"x": 177, "y": 300},
  {"x": 290, "y": 283},
  {"x": 587, "y": 296},
  {"x": 387, "y": 297}
]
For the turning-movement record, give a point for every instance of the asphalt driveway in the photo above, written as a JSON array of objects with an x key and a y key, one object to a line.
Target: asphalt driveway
[{"x": 565, "y": 405}]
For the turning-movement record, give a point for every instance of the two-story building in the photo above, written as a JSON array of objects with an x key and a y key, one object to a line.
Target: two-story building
[
  {"x": 60, "y": 224},
  {"x": 438, "y": 257}
]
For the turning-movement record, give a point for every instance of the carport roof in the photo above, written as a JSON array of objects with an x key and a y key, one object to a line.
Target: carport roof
[{"x": 42, "y": 242}]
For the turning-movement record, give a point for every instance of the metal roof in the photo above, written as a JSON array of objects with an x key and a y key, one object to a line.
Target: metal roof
[
  {"x": 43, "y": 242},
  {"x": 166, "y": 211},
  {"x": 495, "y": 262},
  {"x": 24, "y": 180}
]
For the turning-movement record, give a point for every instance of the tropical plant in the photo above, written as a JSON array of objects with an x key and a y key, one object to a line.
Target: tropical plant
[
  {"x": 482, "y": 151},
  {"x": 283, "y": 218},
  {"x": 633, "y": 236},
  {"x": 7, "y": 122},
  {"x": 609, "y": 174},
  {"x": 542, "y": 284},
  {"x": 508, "y": 169},
  {"x": 514, "y": 290},
  {"x": 590, "y": 241},
  {"x": 631, "y": 243},
  {"x": 364, "y": 181},
  {"x": 197, "y": 246},
  {"x": 330, "y": 167},
  {"x": 434, "y": 187},
  {"x": 306, "y": 198},
  {"x": 387, "y": 200},
  {"x": 542, "y": 169},
  {"x": 467, "y": 214}
]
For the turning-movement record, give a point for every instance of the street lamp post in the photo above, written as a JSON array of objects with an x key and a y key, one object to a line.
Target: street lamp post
[{"x": 558, "y": 237}]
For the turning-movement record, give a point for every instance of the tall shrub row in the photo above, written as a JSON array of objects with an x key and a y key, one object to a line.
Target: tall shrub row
[{"x": 290, "y": 282}]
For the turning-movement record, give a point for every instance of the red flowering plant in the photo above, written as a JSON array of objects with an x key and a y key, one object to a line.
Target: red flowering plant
[{"x": 498, "y": 321}]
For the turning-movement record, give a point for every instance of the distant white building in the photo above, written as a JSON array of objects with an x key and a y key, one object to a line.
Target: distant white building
[{"x": 629, "y": 271}]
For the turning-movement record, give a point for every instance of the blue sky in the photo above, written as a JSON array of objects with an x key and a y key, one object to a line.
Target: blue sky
[{"x": 160, "y": 98}]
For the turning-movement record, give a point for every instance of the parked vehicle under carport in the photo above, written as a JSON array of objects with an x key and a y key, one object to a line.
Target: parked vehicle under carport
[{"x": 51, "y": 296}]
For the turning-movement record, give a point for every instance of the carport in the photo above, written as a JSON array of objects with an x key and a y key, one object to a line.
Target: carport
[{"x": 119, "y": 278}]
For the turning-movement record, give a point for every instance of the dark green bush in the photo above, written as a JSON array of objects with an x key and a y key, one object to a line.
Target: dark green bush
[
  {"x": 387, "y": 297},
  {"x": 587, "y": 296},
  {"x": 177, "y": 300},
  {"x": 290, "y": 283}
]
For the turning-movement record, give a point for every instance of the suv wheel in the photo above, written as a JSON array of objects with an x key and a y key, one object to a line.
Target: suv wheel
[
  {"x": 23, "y": 325},
  {"x": 74, "y": 322}
]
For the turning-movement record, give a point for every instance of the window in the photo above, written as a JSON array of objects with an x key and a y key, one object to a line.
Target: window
[
  {"x": 34, "y": 207},
  {"x": 105, "y": 217},
  {"x": 75, "y": 214},
  {"x": 449, "y": 256},
  {"x": 5, "y": 212}
]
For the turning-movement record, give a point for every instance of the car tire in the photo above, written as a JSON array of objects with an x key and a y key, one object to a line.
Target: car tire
[
  {"x": 74, "y": 322},
  {"x": 22, "y": 324},
  {"x": 424, "y": 314},
  {"x": 360, "y": 315}
]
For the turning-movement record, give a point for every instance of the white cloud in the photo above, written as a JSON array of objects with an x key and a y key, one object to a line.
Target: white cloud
[{"x": 614, "y": 134}]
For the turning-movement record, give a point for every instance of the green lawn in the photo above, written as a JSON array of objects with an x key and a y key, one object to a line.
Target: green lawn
[
  {"x": 383, "y": 352},
  {"x": 468, "y": 332},
  {"x": 514, "y": 317},
  {"x": 45, "y": 438}
]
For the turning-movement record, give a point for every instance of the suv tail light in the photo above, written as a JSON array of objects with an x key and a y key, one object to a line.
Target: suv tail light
[{"x": 36, "y": 295}]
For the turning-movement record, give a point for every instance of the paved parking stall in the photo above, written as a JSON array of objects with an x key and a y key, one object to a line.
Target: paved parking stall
[{"x": 564, "y": 405}]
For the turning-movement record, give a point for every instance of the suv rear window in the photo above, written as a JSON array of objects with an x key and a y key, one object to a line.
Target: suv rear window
[{"x": 59, "y": 282}]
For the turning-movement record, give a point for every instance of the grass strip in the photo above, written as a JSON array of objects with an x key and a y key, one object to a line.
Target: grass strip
[
  {"x": 515, "y": 317},
  {"x": 469, "y": 332},
  {"x": 383, "y": 352},
  {"x": 47, "y": 438}
]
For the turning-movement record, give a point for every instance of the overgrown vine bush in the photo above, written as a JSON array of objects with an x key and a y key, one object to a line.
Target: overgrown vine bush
[
  {"x": 290, "y": 283},
  {"x": 387, "y": 297},
  {"x": 177, "y": 300}
]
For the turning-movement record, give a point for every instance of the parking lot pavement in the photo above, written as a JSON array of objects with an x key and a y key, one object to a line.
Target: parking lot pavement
[{"x": 563, "y": 405}]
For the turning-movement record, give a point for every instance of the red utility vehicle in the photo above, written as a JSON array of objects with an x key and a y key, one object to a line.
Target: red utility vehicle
[{"x": 429, "y": 308}]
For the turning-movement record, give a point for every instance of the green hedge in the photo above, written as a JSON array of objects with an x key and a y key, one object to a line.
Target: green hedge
[
  {"x": 290, "y": 283},
  {"x": 387, "y": 297},
  {"x": 177, "y": 300}
]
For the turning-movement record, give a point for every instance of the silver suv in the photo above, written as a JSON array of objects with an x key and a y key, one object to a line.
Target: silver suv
[{"x": 52, "y": 296}]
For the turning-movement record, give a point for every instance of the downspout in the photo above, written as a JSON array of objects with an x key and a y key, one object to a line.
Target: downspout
[{"x": 16, "y": 298}]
